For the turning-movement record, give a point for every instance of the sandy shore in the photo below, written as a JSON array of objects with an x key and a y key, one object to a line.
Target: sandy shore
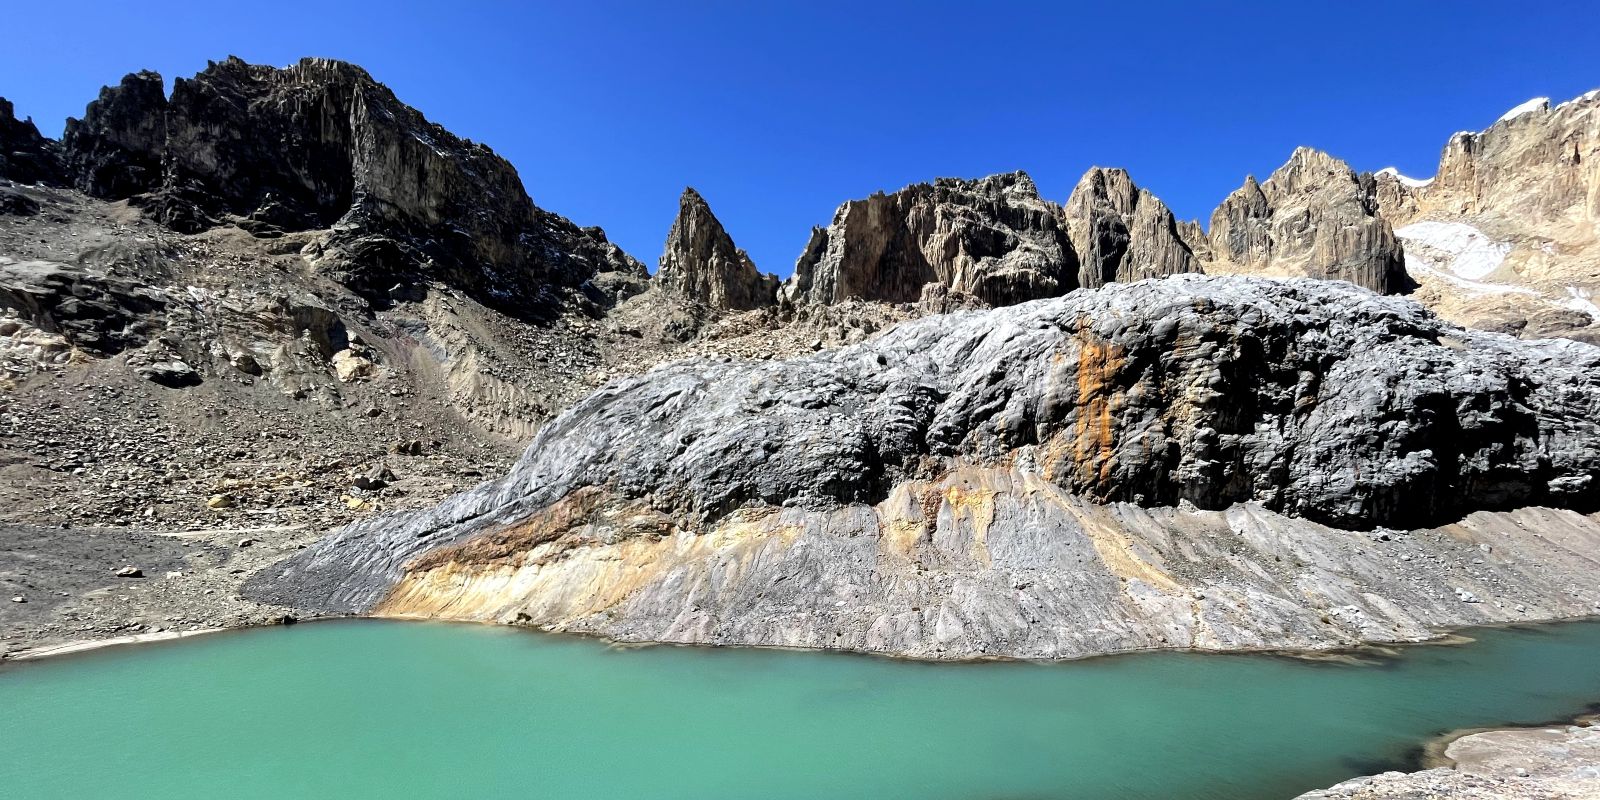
[{"x": 84, "y": 645}]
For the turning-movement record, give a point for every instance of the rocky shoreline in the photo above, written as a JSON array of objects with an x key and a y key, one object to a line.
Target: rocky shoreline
[
  {"x": 1556, "y": 762},
  {"x": 69, "y": 593}
]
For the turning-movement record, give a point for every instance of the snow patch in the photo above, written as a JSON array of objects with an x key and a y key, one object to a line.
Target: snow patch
[
  {"x": 1536, "y": 104},
  {"x": 1582, "y": 98},
  {"x": 1405, "y": 179},
  {"x": 1456, "y": 247},
  {"x": 1580, "y": 299}
]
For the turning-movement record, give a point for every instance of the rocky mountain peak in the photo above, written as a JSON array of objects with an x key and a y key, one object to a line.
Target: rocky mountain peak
[
  {"x": 1016, "y": 184},
  {"x": 1121, "y": 232},
  {"x": 991, "y": 238},
  {"x": 1536, "y": 161},
  {"x": 25, "y": 156},
  {"x": 701, "y": 263},
  {"x": 1504, "y": 235},
  {"x": 320, "y": 145},
  {"x": 1314, "y": 216},
  {"x": 116, "y": 150}
]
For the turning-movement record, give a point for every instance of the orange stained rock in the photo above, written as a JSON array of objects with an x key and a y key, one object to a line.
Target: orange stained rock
[{"x": 1094, "y": 431}]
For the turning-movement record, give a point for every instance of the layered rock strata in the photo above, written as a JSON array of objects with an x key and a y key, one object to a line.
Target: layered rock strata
[{"x": 968, "y": 484}]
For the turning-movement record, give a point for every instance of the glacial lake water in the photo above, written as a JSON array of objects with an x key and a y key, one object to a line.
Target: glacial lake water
[{"x": 389, "y": 710}]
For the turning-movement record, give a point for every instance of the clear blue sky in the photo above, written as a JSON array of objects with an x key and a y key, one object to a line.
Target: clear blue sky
[{"x": 777, "y": 112}]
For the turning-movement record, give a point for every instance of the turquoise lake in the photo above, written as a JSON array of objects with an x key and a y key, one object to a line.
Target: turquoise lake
[{"x": 399, "y": 710}]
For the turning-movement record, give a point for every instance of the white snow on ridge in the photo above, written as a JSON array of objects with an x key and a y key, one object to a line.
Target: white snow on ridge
[
  {"x": 1455, "y": 247},
  {"x": 1414, "y": 183},
  {"x": 1529, "y": 107},
  {"x": 1582, "y": 98}
]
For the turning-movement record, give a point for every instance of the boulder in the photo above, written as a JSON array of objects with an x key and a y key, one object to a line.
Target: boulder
[
  {"x": 348, "y": 366},
  {"x": 166, "y": 369},
  {"x": 378, "y": 477}
]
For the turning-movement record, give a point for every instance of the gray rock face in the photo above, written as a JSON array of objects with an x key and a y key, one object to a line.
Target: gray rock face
[
  {"x": 1313, "y": 217},
  {"x": 701, "y": 263},
  {"x": 1123, "y": 233},
  {"x": 1312, "y": 399},
  {"x": 25, "y": 156},
  {"x": 992, "y": 238},
  {"x": 322, "y": 145}
]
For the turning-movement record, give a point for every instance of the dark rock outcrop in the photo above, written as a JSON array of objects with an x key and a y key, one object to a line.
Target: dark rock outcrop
[
  {"x": 992, "y": 238},
  {"x": 97, "y": 313},
  {"x": 116, "y": 150},
  {"x": 321, "y": 145},
  {"x": 1120, "y": 232},
  {"x": 701, "y": 263},
  {"x": 26, "y": 156},
  {"x": 1309, "y": 398},
  {"x": 1314, "y": 217}
]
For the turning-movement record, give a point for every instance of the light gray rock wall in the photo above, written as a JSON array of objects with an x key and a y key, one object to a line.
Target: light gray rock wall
[{"x": 1301, "y": 399}]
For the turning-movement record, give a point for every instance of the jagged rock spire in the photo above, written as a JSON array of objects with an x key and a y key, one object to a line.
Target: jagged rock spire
[
  {"x": 116, "y": 150},
  {"x": 1314, "y": 217},
  {"x": 701, "y": 263},
  {"x": 1121, "y": 232}
]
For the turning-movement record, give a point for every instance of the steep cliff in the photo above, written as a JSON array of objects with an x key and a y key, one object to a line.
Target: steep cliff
[
  {"x": 320, "y": 145},
  {"x": 25, "y": 156},
  {"x": 958, "y": 460},
  {"x": 1313, "y": 217},
  {"x": 1120, "y": 232},
  {"x": 116, "y": 150},
  {"x": 1506, "y": 235},
  {"x": 993, "y": 238},
  {"x": 700, "y": 262}
]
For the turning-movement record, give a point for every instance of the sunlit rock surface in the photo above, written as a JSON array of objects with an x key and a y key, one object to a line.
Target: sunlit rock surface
[{"x": 1034, "y": 481}]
